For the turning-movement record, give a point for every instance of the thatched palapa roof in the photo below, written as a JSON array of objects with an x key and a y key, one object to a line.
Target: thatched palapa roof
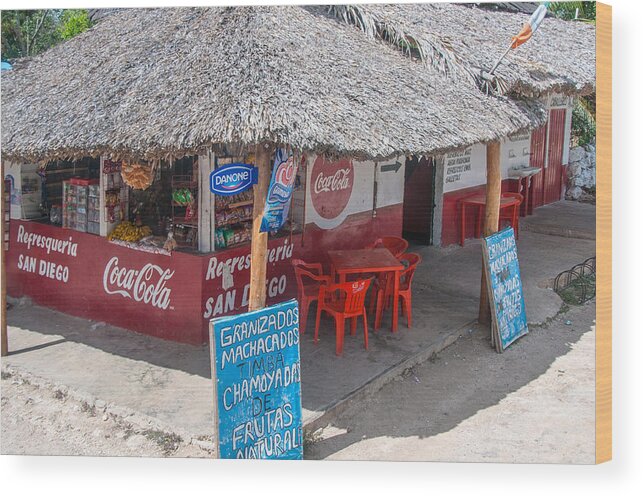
[
  {"x": 560, "y": 57},
  {"x": 154, "y": 83}
]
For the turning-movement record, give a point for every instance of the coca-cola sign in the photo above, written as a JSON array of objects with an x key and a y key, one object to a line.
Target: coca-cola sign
[
  {"x": 332, "y": 185},
  {"x": 146, "y": 285}
]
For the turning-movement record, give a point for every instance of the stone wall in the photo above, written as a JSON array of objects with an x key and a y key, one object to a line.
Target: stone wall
[{"x": 581, "y": 171}]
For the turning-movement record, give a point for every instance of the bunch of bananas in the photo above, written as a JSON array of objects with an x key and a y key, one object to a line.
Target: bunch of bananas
[{"x": 126, "y": 231}]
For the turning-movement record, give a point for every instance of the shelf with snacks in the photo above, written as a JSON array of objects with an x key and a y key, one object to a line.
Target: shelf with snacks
[
  {"x": 115, "y": 194},
  {"x": 233, "y": 219},
  {"x": 232, "y": 235},
  {"x": 184, "y": 209},
  {"x": 233, "y": 216},
  {"x": 242, "y": 199},
  {"x": 239, "y": 204}
]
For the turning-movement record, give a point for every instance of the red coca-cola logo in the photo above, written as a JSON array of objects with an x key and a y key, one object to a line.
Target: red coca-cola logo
[{"x": 332, "y": 185}]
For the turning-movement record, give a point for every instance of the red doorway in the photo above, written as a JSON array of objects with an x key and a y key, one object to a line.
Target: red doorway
[
  {"x": 553, "y": 173},
  {"x": 537, "y": 159}
]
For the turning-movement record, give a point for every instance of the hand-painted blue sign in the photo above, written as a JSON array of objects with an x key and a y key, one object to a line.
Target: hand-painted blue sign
[
  {"x": 257, "y": 383},
  {"x": 505, "y": 287},
  {"x": 231, "y": 179},
  {"x": 284, "y": 173}
]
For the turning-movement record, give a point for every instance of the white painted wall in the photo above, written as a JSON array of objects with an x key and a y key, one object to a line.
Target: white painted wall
[
  {"x": 390, "y": 183},
  {"x": 465, "y": 168},
  {"x": 514, "y": 153}
]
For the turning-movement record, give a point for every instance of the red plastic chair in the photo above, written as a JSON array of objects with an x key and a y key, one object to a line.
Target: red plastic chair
[
  {"x": 397, "y": 246},
  {"x": 343, "y": 301},
  {"x": 310, "y": 278},
  {"x": 511, "y": 214},
  {"x": 384, "y": 294}
]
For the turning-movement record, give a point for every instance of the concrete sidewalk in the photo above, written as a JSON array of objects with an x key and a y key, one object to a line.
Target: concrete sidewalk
[
  {"x": 171, "y": 382},
  {"x": 564, "y": 218}
]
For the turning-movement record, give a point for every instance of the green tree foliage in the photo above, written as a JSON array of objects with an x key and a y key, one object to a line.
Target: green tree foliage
[
  {"x": 74, "y": 22},
  {"x": 584, "y": 120},
  {"x": 584, "y": 112},
  {"x": 29, "y": 32},
  {"x": 567, "y": 10}
]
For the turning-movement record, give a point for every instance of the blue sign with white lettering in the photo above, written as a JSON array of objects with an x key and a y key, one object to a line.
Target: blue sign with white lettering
[
  {"x": 505, "y": 287},
  {"x": 257, "y": 383},
  {"x": 231, "y": 179}
]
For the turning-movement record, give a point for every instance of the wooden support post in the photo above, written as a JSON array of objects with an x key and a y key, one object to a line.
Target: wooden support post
[
  {"x": 491, "y": 219},
  {"x": 259, "y": 243}
]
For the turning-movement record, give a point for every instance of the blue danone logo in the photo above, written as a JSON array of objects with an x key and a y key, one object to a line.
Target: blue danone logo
[{"x": 231, "y": 179}]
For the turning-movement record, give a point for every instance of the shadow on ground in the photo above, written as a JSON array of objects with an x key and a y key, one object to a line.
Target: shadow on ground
[
  {"x": 469, "y": 376},
  {"x": 110, "y": 339}
]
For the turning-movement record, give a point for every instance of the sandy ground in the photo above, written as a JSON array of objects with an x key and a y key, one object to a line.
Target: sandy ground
[
  {"x": 532, "y": 404},
  {"x": 40, "y": 421}
]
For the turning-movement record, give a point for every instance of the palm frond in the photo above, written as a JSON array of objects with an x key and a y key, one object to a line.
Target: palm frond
[
  {"x": 586, "y": 11},
  {"x": 429, "y": 49}
]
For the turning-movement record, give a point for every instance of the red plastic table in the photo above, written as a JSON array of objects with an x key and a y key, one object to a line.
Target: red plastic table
[
  {"x": 480, "y": 201},
  {"x": 368, "y": 261}
]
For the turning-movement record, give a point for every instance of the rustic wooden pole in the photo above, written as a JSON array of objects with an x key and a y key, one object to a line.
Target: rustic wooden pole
[
  {"x": 259, "y": 243},
  {"x": 491, "y": 218}
]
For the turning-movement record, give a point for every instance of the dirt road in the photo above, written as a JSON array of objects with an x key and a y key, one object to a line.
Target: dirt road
[
  {"x": 532, "y": 404},
  {"x": 40, "y": 421}
]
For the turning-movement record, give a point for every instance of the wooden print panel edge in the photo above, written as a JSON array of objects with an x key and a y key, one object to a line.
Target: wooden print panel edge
[
  {"x": 604, "y": 233},
  {"x": 4, "y": 340}
]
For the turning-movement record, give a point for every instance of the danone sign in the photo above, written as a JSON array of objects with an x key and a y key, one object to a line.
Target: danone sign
[
  {"x": 257, "y": 383},
  {"x": 231, "y": 179}
]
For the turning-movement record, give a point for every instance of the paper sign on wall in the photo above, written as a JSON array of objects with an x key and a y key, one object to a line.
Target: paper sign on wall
[
  {"x": 505, "y": 288},
  {"x": 257, "y": 384}
]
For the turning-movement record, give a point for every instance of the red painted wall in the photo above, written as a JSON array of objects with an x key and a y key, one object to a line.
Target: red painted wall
[
  {"x": 171, "y": 297},
  {"x": 357, "y": 231},
  {"x": 87, "y": 276},
  {"x": 228, "y": 295}
]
